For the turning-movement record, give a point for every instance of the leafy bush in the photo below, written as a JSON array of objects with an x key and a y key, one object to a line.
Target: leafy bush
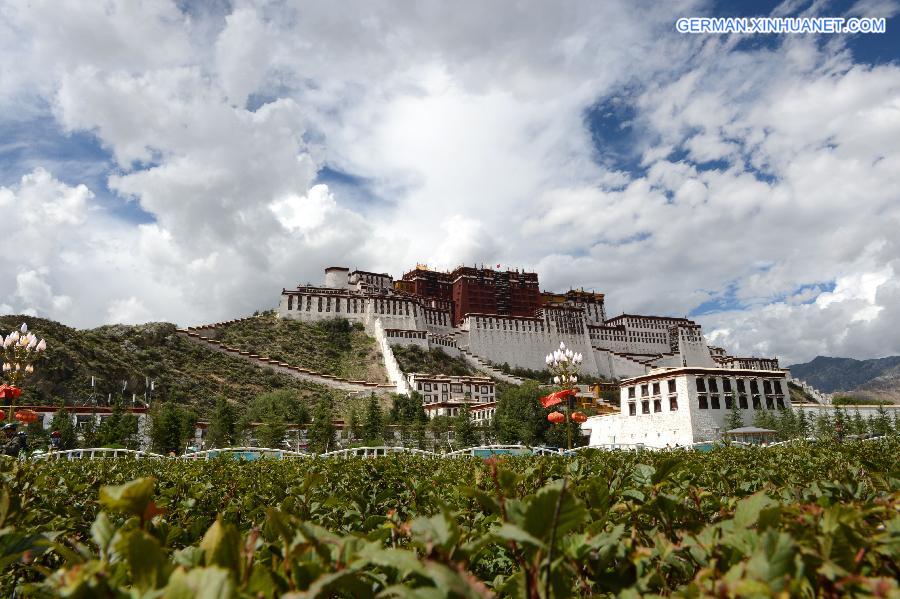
[{"x": 803, "y": 519}]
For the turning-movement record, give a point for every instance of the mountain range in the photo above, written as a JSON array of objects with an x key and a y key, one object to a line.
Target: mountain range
[{"x": 878, "y": 378}]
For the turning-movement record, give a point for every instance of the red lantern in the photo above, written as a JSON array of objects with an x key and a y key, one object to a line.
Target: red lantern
[
  {"x": 557, "y": 397},
  {"x": 556, "y": 417},
  {"x": 26, "y": 416},
  {"x": 578, "y": 417},
  {"x": 9, "y": 392}
]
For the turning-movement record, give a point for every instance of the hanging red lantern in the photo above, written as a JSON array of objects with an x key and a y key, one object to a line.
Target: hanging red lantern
[
  {"x": 578, "y": 417},
  {"x": 26, "y": 416},
  {"x": 556, "y": 417},
  {"x": 557, "y": 397},
  {"x": 9, "y": 392}
]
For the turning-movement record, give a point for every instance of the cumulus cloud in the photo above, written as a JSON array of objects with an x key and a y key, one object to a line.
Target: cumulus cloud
[{"x": 763, "y": 178}]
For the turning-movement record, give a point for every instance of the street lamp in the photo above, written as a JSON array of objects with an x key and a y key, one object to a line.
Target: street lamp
[
  {"x": 20, "y": 351},
  {"x": 563, "y": 364}
]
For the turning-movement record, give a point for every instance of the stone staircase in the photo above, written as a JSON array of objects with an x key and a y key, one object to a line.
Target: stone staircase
[
  {"x": 482, "y": 365},
  {"x": 296, "y": 372}
]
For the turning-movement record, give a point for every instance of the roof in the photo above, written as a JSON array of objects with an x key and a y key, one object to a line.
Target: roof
[{"x": 749, "y": 430}]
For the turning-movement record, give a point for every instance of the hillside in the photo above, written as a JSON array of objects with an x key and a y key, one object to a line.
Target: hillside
[
  {"x": 868, "y": 379},
  {"x": 332, "y": 347},
  {"x": 433, "y": 361},
  {"x": 182, "y": 370}
]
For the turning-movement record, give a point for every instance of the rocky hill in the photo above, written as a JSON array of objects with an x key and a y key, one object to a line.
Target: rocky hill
[
  {"x": 867, "y": 379},
  {"x": 183, "y": 371}
]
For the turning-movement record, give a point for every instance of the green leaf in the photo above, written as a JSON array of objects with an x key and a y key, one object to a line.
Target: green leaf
[
  {"x": 551, "y": 504},
  {"x": 200, "y": 583},
  {"x": 221, "y": 546},
  {"x": 131, "y": 498},
  {"x": 511, "y": 532},
  {"x": 102, "y": 532},
  {"x": 748, "y": 510},
  {"x": 145, "y": 558}
]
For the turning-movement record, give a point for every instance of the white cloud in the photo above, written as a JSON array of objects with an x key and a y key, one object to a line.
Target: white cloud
[{"x": 468, "y": 129}]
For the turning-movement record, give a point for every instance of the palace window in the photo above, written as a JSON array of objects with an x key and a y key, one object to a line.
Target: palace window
[
  {"x": 484, "y": 389},
  {"x": 715, "y": 402},
  {"x": 754, "y": 386},
  {"x": 308, "y": 303},
  {"x": 701, "y": 385},
  {"x": 456, "y": 388},
  {"x": 671, "y": 385},
  {"x": 756, "y": 404},
  {"x": 645, "y": 390},
  {"x": 741, "y": 387},
  {"x": 290, "y": 302},
  {"x": 632, "y": 410},
  {"x": 713, "y": 386},
  {"x": 704, "y": 405},
  {"x": 726, "y": 385},
  {"x": 742, "y": 402},
  {"x": 657, "y": 405},
  {"x": 728, "y": 401},
  {"x": 645, "y": 407},
  {"x": 320, "y": 304},
  {"x": 630, "y": 392},
  {"x": 770, "y": 403},
  {"x": 428, "y": 386},
  {"x": 780, "y": 400},
  {"x": 767, "y": 386},
  {"x": 655, "y": 388},
  {"x": 673, "y": 404}
]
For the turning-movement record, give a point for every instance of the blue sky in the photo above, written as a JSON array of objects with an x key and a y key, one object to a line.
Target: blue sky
[{"x": 190, "y": 159}]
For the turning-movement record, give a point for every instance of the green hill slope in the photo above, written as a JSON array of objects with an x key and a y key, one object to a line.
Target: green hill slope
[
  {"x": 183, "y": 371},
  {"x": 331, "y": 347}
]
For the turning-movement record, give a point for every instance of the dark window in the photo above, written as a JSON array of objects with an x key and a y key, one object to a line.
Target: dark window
[
  {"x": 672, "y": 386},
  {"x": 657, "y": 405},
  {"x": 756, "y": 404},
  {"x": 645, "y": 390},
  {"x": 456, "y": 388},
  {"x": 655, "y": 388},
  {"x": 632, "y": 410},
  {"x": 780, "y": 401},
  {"x": 290, "y": 302},
  {"x": 741, "y": 386},
  {"x": 728, "y": 402},
  {"x": 767, "y": 386},
  {"x": 645, "y": 407},
  {"x": 630, "y": 392},
  {"x": 743, "y": 402},
  {"x": 444, "y": 396},
  {"x": 726, "y": 385},
  {"x": 703, "y": 404},
  {"x": 754, "y": 386},
  {"x": 673, "y": 404},
  {"x": 713, "y": 386},
  {"x": 701, "y": 385},
  {"x": 428, "y": 386},
  {"x": 715, "y": 402},
  {"x": 770, "y": 403}
]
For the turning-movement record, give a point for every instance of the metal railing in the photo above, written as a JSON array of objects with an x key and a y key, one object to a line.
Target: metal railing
[
  {"x": 96, "y": 453},
  {"x": 244, "y": 453}
]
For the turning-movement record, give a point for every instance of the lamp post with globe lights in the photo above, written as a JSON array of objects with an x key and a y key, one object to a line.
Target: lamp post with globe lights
[
  {"x": 563, "y": 364},
  {"x": 20, "y": 351}
]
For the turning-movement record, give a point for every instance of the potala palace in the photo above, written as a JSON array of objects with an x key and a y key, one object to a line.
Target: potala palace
[{"x": 675, "y": 389}]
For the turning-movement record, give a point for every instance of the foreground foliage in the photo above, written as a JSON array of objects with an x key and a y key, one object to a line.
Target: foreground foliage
[{"x": 802, "y": 520}]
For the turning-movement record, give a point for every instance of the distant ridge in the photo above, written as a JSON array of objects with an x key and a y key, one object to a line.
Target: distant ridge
[{"x": 877, "y": 378}]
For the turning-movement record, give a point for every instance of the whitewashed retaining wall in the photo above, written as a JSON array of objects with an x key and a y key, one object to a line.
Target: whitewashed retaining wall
[{"x": 395, "y": 375}]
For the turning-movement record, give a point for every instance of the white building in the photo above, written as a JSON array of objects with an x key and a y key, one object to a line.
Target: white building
[
  {"x": 445, "y": 395},
  {"x": 624, "y": 346},
  {"x": 680, "y": 406}
]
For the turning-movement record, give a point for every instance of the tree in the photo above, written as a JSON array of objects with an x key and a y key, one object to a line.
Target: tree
[
  {"x": 222, "y": 430},
  {"x": 857, "y": 424},
  {"x": 786, "y": 424},
  {"x": 119, "y": 429},
  {"x": 824, "y": 428},
  {"x": 802, "y": 424},
  {"x": 354, "y": 426},
  {"x": 763, "y": 419},
  {"x": 520, "y": 418},
  {"x": 373, "y": 429},
  {"x": 882, "y": 421},
  {"x": 735, "y": 417},
  {"x": 62, "y": 422},
  {"x": 440, "y": 427},
  {"x": 171, "y": 426},
  {"x": 320, "y": 435},
  {"x": 464, "y": 432},
  {"x": 271, "y": 432}
]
